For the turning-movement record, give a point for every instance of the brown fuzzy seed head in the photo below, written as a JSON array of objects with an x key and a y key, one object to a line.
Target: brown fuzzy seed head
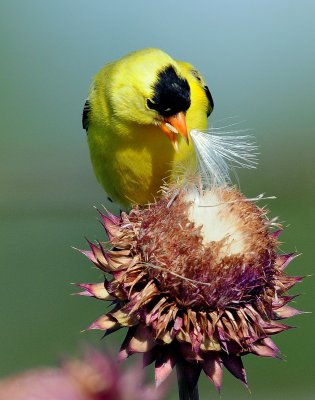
[{"x": 226, "y": 260}]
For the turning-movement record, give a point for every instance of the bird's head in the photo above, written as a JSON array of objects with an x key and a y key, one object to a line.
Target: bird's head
[
  {"x": 169, "y": 102},
  {"x": 148, "y": 87}
]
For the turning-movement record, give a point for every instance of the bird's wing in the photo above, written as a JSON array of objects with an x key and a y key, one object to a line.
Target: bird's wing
[
  {"x": 190, "y": 70},
  {"x": 211, "y": 103},
  {"x": 85, "y": 115}
]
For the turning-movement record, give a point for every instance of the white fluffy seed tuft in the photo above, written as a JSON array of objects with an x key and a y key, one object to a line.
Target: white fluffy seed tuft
[
  {"x": 218, "y": 221},
  {"x": 218, "y": 150}
]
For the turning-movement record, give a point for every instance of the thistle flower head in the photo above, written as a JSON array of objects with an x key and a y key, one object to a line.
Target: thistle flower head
[
  {"x": 94, "y": 377},
  {"x": 197, "y": 279}
]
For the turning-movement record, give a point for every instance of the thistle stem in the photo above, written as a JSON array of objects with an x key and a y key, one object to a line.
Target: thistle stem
[{"x": 187, "y": 381}]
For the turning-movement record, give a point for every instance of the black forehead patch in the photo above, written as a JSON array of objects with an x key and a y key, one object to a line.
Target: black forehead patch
[{"x": 171, "y": 93}]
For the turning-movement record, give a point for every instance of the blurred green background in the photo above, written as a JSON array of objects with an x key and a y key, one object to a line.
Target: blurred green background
[{"x": 258, "y": 59}]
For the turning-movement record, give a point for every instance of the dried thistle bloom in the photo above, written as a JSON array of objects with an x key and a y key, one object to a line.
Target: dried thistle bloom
[
  {"x": 197, "y": 280},
  {"x": 95, "y": 377}
]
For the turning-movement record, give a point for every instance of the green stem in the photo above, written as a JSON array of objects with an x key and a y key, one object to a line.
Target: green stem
[{"x": 187, "y": 388}]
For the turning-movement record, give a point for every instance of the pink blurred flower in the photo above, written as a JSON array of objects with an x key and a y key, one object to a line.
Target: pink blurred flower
[{"x": 94, "y": 377}]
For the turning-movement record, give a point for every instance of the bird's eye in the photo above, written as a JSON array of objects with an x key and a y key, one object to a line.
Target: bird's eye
[
  {"x": 151, "y": 105},
  {"x": 196, "y": 74}
]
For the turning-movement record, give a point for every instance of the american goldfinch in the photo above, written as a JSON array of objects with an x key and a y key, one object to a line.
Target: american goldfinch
[{"x": 138, "y": 116}]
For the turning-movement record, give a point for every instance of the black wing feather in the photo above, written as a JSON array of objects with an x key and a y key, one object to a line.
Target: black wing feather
[
  {"x": 211, "y": 103},
  {"x": 85, "y": 115}
]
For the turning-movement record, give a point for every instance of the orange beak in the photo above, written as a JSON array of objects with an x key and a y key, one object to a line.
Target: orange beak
[{"x": 174, "y": 125}]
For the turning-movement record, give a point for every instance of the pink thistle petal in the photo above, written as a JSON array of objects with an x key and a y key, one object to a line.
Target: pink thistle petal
[
  {"x": 96, "y": 290},
  {"x": 103, "y": 323},
  {"x": 276, "y": 234},
  {"x": 110, "y": 227},
  {"x": 265, "y": 348},
  {"x": 110, "y": 223},
  {"x": 163, "y": 367},
  {"x": 115, "y": 262},
  {"x": 290, "y": 281},
  {"x": 115, "y": 219},
  {"x": 212, "y": 367},
  {"x": 287, "y": 312},
  {"x": 272, "y": 328},
  {"x": 150, "y": 356},
  {"x": 142, "y": 340},
  {"x": 281, "y": 301},
  {"x": 110, "y": 331},
  {"x": 153, "y": 315},
  {"x": 196, "y": 342},
  {"x": 223, "y": 338},
  {"x": 99, "y": 254},
  {"x": 166, "y": 336},
  {"x": 178, "y": 324},
  {"x": 188, "y": 353},
  {"x": 124, "y": 352},
  {"x": 267, "y": 341},
  {"x": 89, "y": 254},
  {"x": 84, "y": 293},
  {"x": 285, "y": 259},
  {"x": 119, "y": 274},
  {"x": 124, "y": 318},
  {"x": 195, "y": 335},
  {"x": 235, "y": 365}
]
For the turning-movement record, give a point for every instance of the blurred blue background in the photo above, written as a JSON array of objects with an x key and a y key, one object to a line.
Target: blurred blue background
[{"x": 258, "y": 59}]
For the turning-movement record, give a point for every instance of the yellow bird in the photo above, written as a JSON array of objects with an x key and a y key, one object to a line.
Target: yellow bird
[{"x": 138, "y": 116}]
